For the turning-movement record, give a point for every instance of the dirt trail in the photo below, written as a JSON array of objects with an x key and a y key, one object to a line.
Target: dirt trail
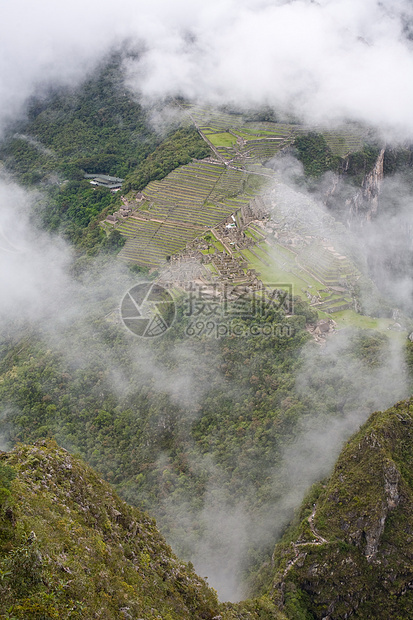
[
  {"x": 314, "y": 531},
  {"x": 319, "y": 540}
]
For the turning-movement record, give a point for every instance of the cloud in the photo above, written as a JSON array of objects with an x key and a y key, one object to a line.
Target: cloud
[
  {"x": 33, "y": 267},
  {"x": 324, "y": 60},
  {"x": 387, "y": 241}
]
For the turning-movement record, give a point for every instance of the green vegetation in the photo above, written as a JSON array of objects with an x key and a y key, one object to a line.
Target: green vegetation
[
  {"x": 315, "y": 154},
  {"x": 156, "y": 446},
  {"x": 362, "y": 514},
  {"x": 198, "y": 413},
  {"x": 120, "y": 435},
  {"x": 396, "y": 160},
  {"x": 181, "y": 148},
  {"x": 75, "y": 550},
  {"x": 351, "y": 527},
  {"x": 72, "y": 207},
  {"x": 221, "y": 139},
  {"x": 96, "y": 128}
]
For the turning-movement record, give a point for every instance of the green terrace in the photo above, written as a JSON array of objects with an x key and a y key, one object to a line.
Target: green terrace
[
  {"x": 278, "y": 265},
  {"x": 221, "y": 139},
  {"x": 344, "y": 142},
  {"x": 181, "y": 207},
  {"x": 234, "y": 136},
  {"x": 316, "y": 274}
]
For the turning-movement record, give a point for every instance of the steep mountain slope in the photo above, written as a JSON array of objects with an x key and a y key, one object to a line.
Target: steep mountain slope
[
  {"x": 70, "y": 548},
  {"x": 352, "y": 555}
]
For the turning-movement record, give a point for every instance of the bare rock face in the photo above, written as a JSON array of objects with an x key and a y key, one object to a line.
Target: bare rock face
[
  {"x": 391, "y": 486},
  {"x": 373, "y": 538},
  {"x": 391, "y": 491},
  {"x": 363, "y": 205},
  {"x": 371, "y": 186},
  {"x": 361, "y": 564}
]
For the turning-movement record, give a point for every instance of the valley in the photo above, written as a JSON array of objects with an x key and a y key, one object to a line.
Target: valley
[{"x": 227, "y": 436}]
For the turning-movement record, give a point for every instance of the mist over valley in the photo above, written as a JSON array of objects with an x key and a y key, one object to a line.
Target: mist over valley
[{"x": 206, "y": 241}]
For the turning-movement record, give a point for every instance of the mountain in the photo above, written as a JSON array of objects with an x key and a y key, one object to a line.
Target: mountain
[
  {"x": 350, "y": 553},
  {"x": 201, "y": 427},
  {"x": 70, "y": 548}
]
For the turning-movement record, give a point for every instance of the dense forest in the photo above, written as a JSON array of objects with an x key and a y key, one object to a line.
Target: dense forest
[
  {"x": 99, "y": 127},
  {"x": 217, "y": 422},
  {"x": 197, "y": 430}
]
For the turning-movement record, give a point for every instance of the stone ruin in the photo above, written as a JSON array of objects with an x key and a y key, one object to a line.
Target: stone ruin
[
  {"x": 256, "y": 209},
  {"x": 126, "y": 209},
  {"x": 322, "y": 329},
  {"x": 182, "y": 271}
]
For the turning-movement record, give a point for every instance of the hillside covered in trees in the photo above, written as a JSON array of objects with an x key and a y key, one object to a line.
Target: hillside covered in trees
[
  {"x": 70, "y": 548},
  {"x": 217, "y": 437}
]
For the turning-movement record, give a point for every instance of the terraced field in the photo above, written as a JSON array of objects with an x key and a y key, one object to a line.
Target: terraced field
[
  {"x": 278, "y": 266},
  {"x": 181, "y": 207},
  {"x": 150, "y": 243},
  {"x": 238, "y": 140},
  {"x": 195, "y": 198},
  {"x": 326, "y": 265},
  {"x": 243, "y": 143},
  {"x": 344, "y": 142}
]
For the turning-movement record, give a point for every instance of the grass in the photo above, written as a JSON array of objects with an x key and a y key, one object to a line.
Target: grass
[
  {"x": 221, "y": 139},
  {"x": 219, "y": 246},
  {"x": 274, "y": 274},
  {"x": 350, "y": 318}
]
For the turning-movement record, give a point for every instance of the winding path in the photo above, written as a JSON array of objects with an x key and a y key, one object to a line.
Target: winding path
[{"x": 319, "y": 540}]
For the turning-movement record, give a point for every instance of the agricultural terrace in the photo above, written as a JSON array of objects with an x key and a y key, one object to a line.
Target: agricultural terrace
[
  {"x": 189, "y": 201},
  {"x": 317, "y": 273},
  {"x": 345, "y": 141},
  {"x": 243, "y": 142},
  {"x": 239, "y": 141},
  {"x": 303, "y": 247},
  {"x": 197, "y": 197}
]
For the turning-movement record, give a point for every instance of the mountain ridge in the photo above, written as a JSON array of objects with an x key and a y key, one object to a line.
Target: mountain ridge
[
  {"x": 71, "y": 548},
  {"x": 352, "y": 553}
]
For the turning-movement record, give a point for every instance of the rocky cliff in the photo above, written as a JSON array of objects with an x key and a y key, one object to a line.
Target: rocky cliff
[
  {"x": 365, "y": 202},
  {"x": 352, "y": 554}
]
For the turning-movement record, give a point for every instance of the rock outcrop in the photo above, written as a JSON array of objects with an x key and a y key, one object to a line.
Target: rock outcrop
[
  {"x": 365, "y": 203},
  {"x": 361, "y": 565}
]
